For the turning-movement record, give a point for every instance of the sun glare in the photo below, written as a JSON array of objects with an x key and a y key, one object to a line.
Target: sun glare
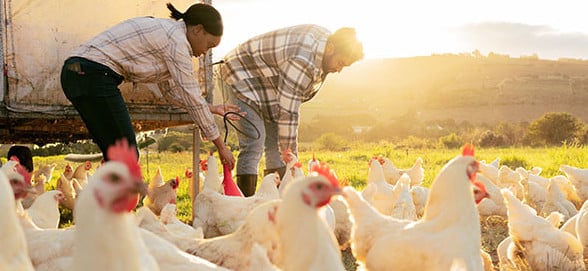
[{"x": 397, "y": 29}]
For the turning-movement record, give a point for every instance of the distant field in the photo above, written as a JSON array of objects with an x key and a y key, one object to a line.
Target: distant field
[{"x": 479, "y": 90}]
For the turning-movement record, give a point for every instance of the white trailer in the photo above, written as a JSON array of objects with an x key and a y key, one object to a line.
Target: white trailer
[{"x": 36, "y": 38}]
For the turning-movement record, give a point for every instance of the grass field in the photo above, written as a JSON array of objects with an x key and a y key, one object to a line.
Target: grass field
[{"x": 352, "y": 168}]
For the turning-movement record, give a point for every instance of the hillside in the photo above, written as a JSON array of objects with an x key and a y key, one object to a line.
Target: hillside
[{"x": 460, "y": 87}]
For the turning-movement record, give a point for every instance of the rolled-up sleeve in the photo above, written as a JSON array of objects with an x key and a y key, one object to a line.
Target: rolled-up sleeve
[
  {"x": 296, "y": 80},
  {"x": 183, "y": 89}
]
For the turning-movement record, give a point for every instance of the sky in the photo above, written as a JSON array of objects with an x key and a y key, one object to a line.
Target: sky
[{"x": 392, "y": 28}]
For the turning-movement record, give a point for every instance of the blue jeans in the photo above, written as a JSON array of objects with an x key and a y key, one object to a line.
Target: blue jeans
[
  {"x": 250, "y": 147},
  {"x": 92, "y": 88}
]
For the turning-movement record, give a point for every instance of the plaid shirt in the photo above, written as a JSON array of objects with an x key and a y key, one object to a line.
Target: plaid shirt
[
  {"x": 154, "y": 50},
  {"x": 276, "y": 72}
]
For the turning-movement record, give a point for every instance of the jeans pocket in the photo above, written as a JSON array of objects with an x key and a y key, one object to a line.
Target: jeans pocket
[
  {"x": 81, "y": 77},
  {"x": 72, "y": 83}
]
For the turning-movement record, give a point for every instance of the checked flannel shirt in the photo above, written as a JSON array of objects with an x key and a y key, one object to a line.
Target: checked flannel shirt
[
  {"x": 276, "y": 72},
  {"x": 154, "y": 50}
]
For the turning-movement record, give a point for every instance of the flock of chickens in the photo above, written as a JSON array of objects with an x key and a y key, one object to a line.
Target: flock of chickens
[{"x": 300, "y": 222}]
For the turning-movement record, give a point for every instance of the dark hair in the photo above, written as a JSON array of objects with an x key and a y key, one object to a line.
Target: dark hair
[
  {"x": 200, "y": 13},
  {"x": 346, "y": 42},
  {"x": 24, "y": 156}
]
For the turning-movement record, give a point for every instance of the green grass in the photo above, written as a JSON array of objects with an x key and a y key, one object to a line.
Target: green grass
[{"x": 351, "y": 166}]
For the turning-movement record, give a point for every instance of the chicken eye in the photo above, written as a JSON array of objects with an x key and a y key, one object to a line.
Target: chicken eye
[
  {"x": 13, "y": 182},
  {"x": 319, "y": 186},
  {"x": 114, "y": 178}
]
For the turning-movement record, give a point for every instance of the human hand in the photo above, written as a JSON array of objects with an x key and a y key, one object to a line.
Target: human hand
[
  {"x": 222, "y": 109},
  {"x": 226, "y": 157}
]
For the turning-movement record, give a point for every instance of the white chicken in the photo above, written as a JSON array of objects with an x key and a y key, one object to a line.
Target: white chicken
[
  {"x": 82, "y": 172},
  {"x": 259, "y": 260},
  {"x": 420, "y": 195},
  {"x": 306, "y": 241},
  {"x": 570, "y": 225},
  {"x": 167, "y": 248},
  {"x": 66, "y": 186},
  {"x": 538, "y": 243},
  {"x": 526, "y": 174},
  {"x": 313, "y": 162},
  {"x": 579, "y": 178},
  {"x": 507, "y": 177},
  {"x": 105, "y": 227},
  {"x": 293, "y": 169},
  {"x": 554, "y": 218},
  {"x": 228, "y": 250},
  {"x": 68, "y": 171},
  {"x": 404, "y": 207},
  {"x": 392, "y": 173},
  {"x": 557, "y": 202},
  {"x": 294, "y": 172},
  {"x": 157, "y": 179},
  {"x": 582, "y": 227},
  {"x": 39, "y": 180},
  {"x": 378, "y": 192},
  {"x": 534, "y": 194},
  {"x": 494, "y": 204},
  {"x": 49, "y": 249},
  {"x": 158, "y": 195},
  {"x": 450, "y": 217},
  {"x": 45, "y": 170},
  {"x": 489, "y": 170},
  {"x": 147, "y": 220},
  {"x": 45, "y": 209},
  {"x": 568, "y": 189},
  {"x": 212, "y": 178},
  {"x": 170, "y": 257},
  {"x": 14, "y": 254},
  {"x": 343, "y": 223},
  {"x": 495, "y": 163},
  {"x": 169, "y": 218},
  {"x": 218, "y": 214}
]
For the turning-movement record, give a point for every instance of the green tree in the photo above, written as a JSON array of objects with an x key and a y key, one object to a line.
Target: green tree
[
  {"x": 175, "y": 141},
  {"x": 556, "y": 128},
  {"x": 331, "y": 142},
  {"x": 451, "y": 141}
]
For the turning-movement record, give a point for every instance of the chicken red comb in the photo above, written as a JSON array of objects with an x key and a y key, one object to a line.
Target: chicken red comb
[
  {"x": 188, "y": 173},
  {"x": 122, "y": 152},
  {"x": 204, "y": 164},
  {"x": 380, "y": 159},
  {"x": 324, "y": 170},
  {"x": 177, "y": 182},
  {"x": 298, "y": 165},
  {"x": 468, "y": 150}
]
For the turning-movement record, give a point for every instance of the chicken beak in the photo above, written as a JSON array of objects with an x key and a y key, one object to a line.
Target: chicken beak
[
  {"x": 337, "y": 190},
  {"x": 140, "y": 188},
  {"x": 29, "y": 189}
]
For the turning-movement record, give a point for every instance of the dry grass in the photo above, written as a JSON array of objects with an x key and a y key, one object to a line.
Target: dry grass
[{"x": 494, "y": 230}]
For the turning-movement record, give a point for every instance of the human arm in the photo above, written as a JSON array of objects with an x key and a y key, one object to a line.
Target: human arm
[
  {"x": 183, "y": 90},
  {"x": 225, "y": 155},
  {"x": 295, "y": 84},
  {"x": 222, "y": 109}
]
